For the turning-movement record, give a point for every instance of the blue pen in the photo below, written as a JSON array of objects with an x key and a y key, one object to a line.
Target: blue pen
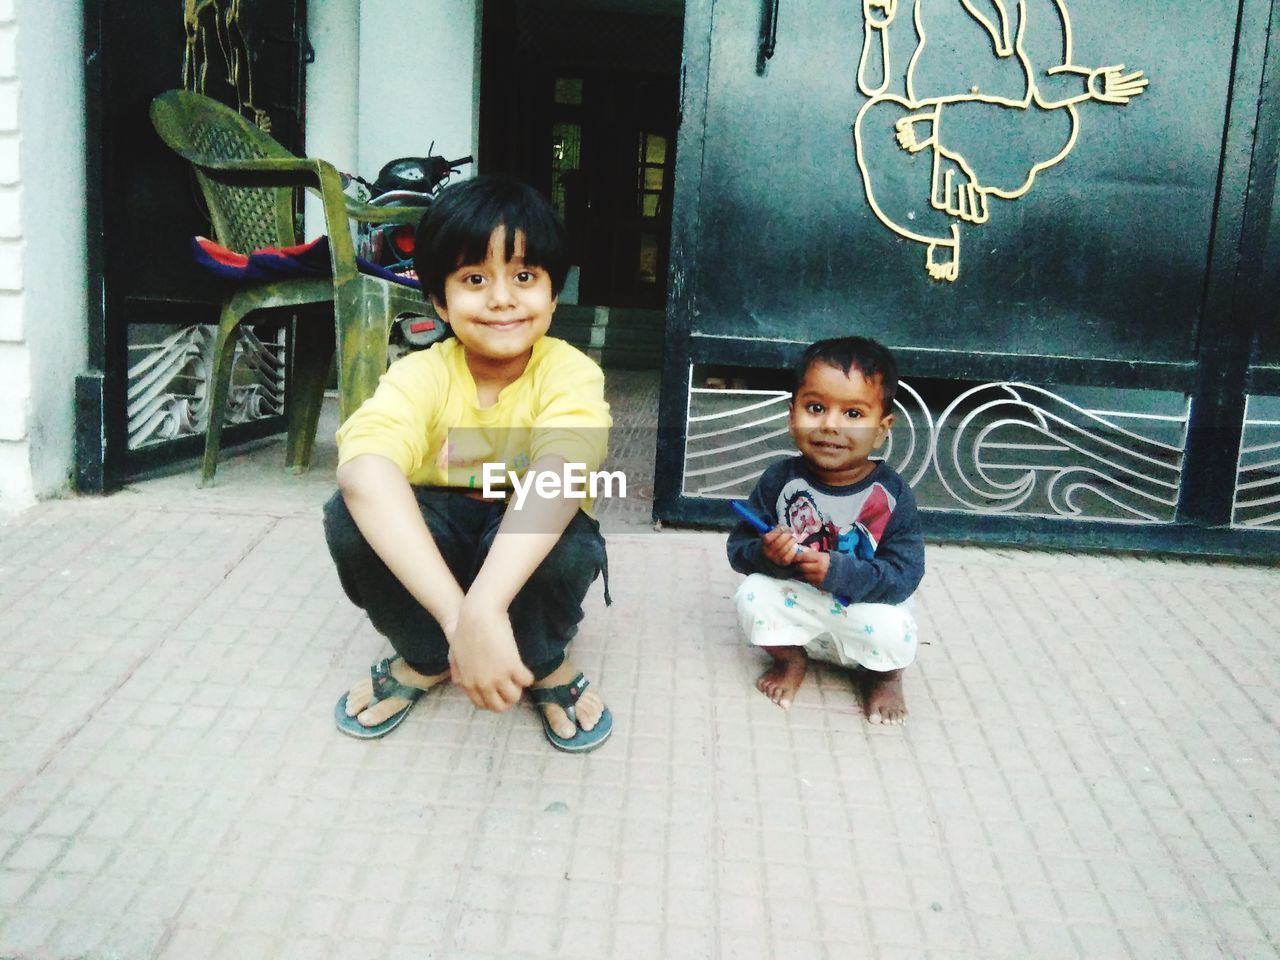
[
  {"x": 747, "y": 514},
  {"x": 742, "y": 510}
]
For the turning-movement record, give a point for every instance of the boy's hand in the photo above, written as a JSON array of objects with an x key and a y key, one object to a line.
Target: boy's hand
[
  {"x": 484, "y": 658},
  {"x": 813, "y": 566},
  {"x": 780, "y": 547}
]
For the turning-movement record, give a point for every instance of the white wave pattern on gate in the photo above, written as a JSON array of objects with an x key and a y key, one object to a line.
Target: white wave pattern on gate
[
  {"x": 168, "y": 384},
  {"x": 1017, "y": 448},
  {"x": 999, "y": 448},
  {"x": 1257, "y": 495},
  {"x": 733, "y": 435}
]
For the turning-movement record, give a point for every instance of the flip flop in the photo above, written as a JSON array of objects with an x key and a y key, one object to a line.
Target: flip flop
[
  {"x": 564, "y": 697},
  {"x": 385, "y": 686}
]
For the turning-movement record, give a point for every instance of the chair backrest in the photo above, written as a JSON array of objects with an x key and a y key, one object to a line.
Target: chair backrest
[{"x": 203, "y": 130}]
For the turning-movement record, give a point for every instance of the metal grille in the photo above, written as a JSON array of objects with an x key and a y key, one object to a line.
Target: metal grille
[
  {"x": 734, "y": 434},
  {"x": 1007, "y": 448},
  {"x": 168, "y": 380},
  {"x": 1257, "y": 498}
]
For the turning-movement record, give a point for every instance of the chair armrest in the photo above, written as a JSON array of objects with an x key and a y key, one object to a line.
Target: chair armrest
[
  {"x": 300, "y": 172},
  {"x": 260, "y": 171},
  {"x": 319, "y": 176},
  {"x": 369, "y": 213}
]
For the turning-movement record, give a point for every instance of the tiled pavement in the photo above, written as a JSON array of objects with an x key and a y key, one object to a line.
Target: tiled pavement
[{"x": 1091, "y": 769}]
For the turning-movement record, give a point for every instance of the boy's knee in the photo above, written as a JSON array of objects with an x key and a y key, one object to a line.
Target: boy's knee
[
  {"x": 884, "y": 617},
  {"x": 572, "y": 565},
  {"x": 340, "y": 531},
  {"x": 574, "y": 562},
  {"x": 895, "y": 632},
  {"x": 908, "y": 623},
  {"x": 750, "y": 588}
]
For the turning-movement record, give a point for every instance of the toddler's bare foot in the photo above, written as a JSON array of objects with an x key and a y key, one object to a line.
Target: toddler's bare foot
[
  {"x": 362, "y": 692},
  {"x": 781, "y": 681},
  {"x": 589, "y": 707},
  {"x": 883, "y": 697}
]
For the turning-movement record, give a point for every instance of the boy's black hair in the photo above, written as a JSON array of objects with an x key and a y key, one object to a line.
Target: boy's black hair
[
  {"x": 457, "y": 226},
  {"x": 863, "y": 354}
]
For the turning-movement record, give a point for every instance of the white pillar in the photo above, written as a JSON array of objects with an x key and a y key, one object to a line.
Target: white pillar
[
  {"x": 419, "y": 80},
  {"x": 333, "y": 93},
  {"x": 43, "y": 326}
]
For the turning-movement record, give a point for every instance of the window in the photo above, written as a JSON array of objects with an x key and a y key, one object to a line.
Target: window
[
  {"x": 566, "y": 157},
  {"x": 569, "y": 91},
  {"x": 652, "y": 174},
  {"x": 651, "y": 178}
]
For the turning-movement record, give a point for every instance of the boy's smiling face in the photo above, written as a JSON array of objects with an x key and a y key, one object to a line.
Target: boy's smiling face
[
  {"x": 500, "y": 308},
  {"x": 837, "y": 420}
]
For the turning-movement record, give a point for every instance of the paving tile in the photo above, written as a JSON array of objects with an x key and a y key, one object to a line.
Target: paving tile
[
  {"x": 34, "y": 854},
  {"x": 638, "y": 939},
  {"x": 1000, "y": 937},
  {"x": 736, "y": 945},
  {"x": 1050, "y": 940},
  {"x": 27, "y": 931},
  {"x": 77, "y": 936},
  {"x": 743, "y": 914},
  {"x": 55, "y": 893},
  {"x": 585, "y": 938}
]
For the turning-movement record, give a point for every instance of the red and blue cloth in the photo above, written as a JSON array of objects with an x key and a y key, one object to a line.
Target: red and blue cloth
[{"x": 277, "y": 263}]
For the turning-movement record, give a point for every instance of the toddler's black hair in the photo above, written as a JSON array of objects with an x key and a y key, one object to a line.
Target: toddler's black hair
[
  {"x": 457, "y": 226},
  {"x": 863, "y": 354}
]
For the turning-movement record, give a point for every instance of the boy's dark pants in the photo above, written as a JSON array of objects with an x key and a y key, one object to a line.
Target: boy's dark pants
[{"x": 544, "y": 615}]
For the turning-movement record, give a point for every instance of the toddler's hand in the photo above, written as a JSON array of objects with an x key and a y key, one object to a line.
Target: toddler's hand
[
  {"x": 813, "y": 565},
  {"x": 780, "y": 547}
]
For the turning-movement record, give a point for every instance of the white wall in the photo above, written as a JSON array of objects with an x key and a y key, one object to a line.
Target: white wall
[
  {"x": 389, "y": 77},
  {"x": 419, "y": 80},
  {"x": 333, "y": 92},
  {"x": 42, "y": 245}
]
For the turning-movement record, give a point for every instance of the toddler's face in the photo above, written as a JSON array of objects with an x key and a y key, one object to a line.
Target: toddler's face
[
  {"x": 498, "y": 308},
  {"x": 837, "y": 421}
]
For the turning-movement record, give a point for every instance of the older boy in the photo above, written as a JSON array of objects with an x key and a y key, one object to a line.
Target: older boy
[
  {"x": 474, "y": 589},
  {"x": 830, "y": 579}
]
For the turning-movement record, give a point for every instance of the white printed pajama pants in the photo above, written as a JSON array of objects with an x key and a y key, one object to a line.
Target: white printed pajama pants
[{"x": 792, "y": 613}]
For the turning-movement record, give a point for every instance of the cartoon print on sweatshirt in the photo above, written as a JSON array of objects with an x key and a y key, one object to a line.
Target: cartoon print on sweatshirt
[{"x": 848, "y": 523}]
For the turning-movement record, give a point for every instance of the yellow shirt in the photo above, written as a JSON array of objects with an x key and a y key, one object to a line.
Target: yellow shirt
[{"x": 425, "y": 416}]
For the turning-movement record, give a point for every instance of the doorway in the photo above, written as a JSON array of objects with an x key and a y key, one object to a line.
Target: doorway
[
  {"x": 580, "y": 98},
  {"x": 142, "y": 404}
]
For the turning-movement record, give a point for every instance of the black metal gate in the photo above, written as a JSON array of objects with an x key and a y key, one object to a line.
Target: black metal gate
[
  {"x": 141, "y": 404},
  {"x": 1075, "y": 261}
]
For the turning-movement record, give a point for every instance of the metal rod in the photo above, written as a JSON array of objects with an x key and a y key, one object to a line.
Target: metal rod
[{"x": 768, "y": 34}]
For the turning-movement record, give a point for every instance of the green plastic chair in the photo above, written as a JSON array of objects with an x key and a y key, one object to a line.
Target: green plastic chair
[{"x": 249, "y": 182}]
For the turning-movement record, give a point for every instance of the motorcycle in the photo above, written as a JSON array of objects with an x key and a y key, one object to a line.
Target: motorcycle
[{"x": 403, "y": 182}]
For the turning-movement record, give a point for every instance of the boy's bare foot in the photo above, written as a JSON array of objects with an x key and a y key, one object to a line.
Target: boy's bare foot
[
  {"x": 362, "y": 692},
  {"x": 781, "y": 681},
  {"x": 883, "y": 697},
  {"x": 589, "y": 707}
]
